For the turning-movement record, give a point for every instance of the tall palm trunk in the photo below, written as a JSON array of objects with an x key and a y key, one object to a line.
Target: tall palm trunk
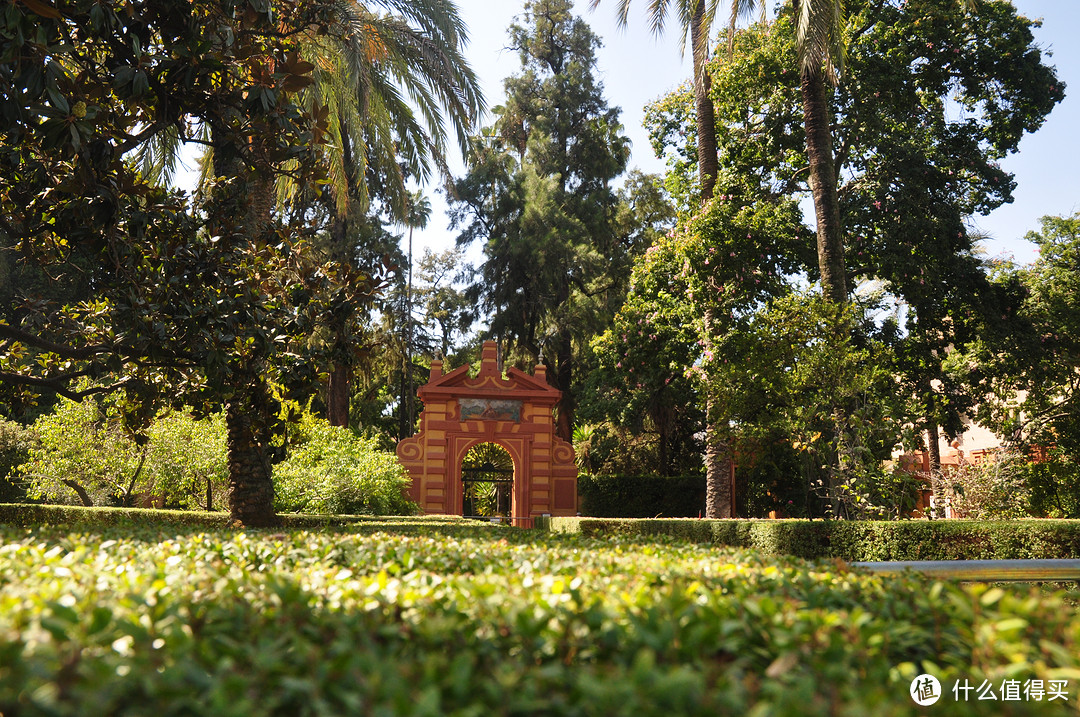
[
  {"x": 408, "y": 397},
  {"x": 708, "y": 162},
  {"x": 339, "y": 382},
  {"x": 718, "y": 503},
  {"x": 564, "y": 423},
  {"x": 819, "y": 152}
]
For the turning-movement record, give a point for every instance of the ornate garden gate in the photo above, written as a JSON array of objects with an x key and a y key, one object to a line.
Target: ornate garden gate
[{"x": 513, "y": 412}]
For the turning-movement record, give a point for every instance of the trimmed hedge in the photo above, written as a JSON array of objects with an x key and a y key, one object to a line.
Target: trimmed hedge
[
  {"x": 31, "y": 515},
  {"x": 126, "y": 621},
  {"x": 642, "y": 496},
  {"x": 854, "y": 540}
]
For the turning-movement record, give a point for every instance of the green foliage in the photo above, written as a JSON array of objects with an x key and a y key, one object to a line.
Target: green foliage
[
  {"x": 854, "y": 540},
  {"x": 662, "y": 352},
  {"x": 1029, "y": 372},
  {"x": 911, "y": 169},
  {"x": 15, "y": 443},
  {"x": 827, "y": 383},
  {"x": 1054, "y": 486},
  {"x": 538, "y": 195},
  {"x": 334, "y": 471},
  {"x": 85, "y": 455},
  {"x": 641, "y": 496},
  {"x": 187, "y": 461},
  {"x": 995, "y": 488},
  {"x": 501, "y": 622}
]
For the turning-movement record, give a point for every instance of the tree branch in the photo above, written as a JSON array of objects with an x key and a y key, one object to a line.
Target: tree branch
[
  {"x": 51, "y": 384},
  {"x": 80, "y": 491},
  {"x": 8, "y": 331}
]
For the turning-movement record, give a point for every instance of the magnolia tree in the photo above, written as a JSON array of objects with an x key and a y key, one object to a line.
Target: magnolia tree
[{"x": 198, "y": 304}]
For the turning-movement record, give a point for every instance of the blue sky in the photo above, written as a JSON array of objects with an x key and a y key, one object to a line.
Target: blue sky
[{"x": 637, "y": 68}]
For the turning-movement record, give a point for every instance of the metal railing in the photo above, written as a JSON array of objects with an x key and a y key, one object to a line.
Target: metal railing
[{"x": 988, "y": 571}]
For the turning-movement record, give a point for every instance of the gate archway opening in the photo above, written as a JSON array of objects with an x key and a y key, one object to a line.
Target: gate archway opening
[
  {"x": 513, "y": 411},
  {"x": 487, "y": 482}
]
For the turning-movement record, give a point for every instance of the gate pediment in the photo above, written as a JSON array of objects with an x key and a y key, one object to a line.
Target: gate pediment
[{"x": 513, "y": 411}]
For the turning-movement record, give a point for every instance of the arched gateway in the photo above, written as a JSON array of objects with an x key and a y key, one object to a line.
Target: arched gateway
[{"x": 513, "y": 412}]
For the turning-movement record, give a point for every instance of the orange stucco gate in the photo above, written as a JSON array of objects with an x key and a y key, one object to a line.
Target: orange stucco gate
[{"x": 513, "y": 412}]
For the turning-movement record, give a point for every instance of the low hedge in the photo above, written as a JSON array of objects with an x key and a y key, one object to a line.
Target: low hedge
[
  {"x": 123, "y": 621},
  {"x": 854, "y": 540},
  {"x": 31, "y": 515},
  {"x": 641, "y": 496}
]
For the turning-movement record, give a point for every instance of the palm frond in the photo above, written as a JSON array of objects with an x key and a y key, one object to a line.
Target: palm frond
[{"x": 819, "y": 36}]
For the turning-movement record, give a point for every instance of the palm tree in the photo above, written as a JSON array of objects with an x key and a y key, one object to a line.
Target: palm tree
[
  {"x": 390, "y": 82},
  {"x": 416, "y": 217},
  {"x": 389, "y": 76},
  {"x": 696, "y": 18},
  {"x": 819, "y": 40}
]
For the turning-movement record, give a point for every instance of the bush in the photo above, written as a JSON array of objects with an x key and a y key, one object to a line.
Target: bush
[
  {"x": 992, "y": 489},
  {"x": 15, "y": 443},
  {"x": 187, "y": 461},
  {"x": 1053, "y": 486},
  {"x": 641, "y": 496},
  {"x": 336, "y": 472},
  {"x": 129, "y": 622},
  {"x": 85, "y": 456},
  {"x": 854, "y": 540}
]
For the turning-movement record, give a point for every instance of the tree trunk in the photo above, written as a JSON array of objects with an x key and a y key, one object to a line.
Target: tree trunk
[
  {"x": 936, "y": 484},
  {"x": 708, "y": 162},
  {"x": 718, "y": 463},
  {"x": 79, "y": 491},
  {"x": 717, "y": 451},
  {"x": 337, "y": 396},
  {"x": 819, "y": 152},
  {"x": 718, "y": 458},
  {"x": 562, "y": 374},
  {"x": 339, "y": 381},
  {"x": 251, "y": 491},
  {"x": 933, "y": 444},
  {"x": 409, "y": 397}
]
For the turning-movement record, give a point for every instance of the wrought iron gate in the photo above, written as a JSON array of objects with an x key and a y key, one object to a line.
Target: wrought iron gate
[{"x": 487, "y": 481}]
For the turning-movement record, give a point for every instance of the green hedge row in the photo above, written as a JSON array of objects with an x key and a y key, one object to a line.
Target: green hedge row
[
  {"x": 32, "y": 515},
  {"x": 854, "y": 540},
  {"x": 644, "y": 496},
  {"x": 126, "y": 621}
]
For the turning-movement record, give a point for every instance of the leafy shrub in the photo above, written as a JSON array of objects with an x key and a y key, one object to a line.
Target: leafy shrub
[
  {"x": 1054, "y": 486},
  {"x": 15, "y": 443},
  {"x": 641, "y": 496},
  {"x": 128, "y": 621},
  {"x": 187, "y": 461},
  {"x": 992, "y": 489},
  {"x": 336, "y": 472},
  {"x": 854, "y": 540},
  {"x": 84, "y": 456}
]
